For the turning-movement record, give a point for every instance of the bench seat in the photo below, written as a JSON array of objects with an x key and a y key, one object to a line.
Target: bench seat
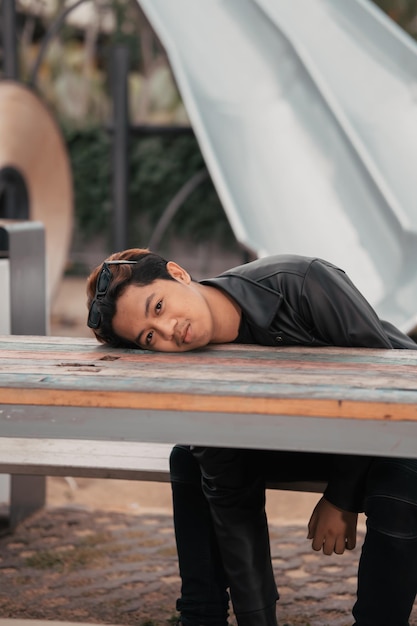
[{"x": 99, "y": 459}]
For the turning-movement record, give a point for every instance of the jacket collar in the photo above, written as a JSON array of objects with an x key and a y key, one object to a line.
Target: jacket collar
[{"x": 258, "y": 303}]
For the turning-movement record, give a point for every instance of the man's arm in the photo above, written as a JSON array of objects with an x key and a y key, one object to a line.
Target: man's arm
[{"x": 337, "y": 313}]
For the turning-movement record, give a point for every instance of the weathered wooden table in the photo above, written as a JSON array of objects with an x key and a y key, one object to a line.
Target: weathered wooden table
[
  {"x": 72, "y": 407},
  {"x": 322, "y": 399}
]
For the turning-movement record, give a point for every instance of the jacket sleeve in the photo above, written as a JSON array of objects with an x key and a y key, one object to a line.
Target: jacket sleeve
[
  {"x": 337, "y": 313},
  {"x": 340, "y": 316},
  {"x": 347, "y": 482}
]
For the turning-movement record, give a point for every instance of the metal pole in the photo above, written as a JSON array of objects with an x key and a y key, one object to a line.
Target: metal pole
[
  {"x": 119, "y": 78},
  {"x": 23, "y": 243},
  {"x": 10, "y": 65}
]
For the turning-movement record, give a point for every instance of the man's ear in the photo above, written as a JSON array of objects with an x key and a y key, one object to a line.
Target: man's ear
[{"x": 178, "y": 272}]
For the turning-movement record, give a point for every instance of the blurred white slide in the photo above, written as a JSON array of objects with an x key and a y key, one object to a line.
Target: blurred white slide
[{"x": 306, "y": 114}]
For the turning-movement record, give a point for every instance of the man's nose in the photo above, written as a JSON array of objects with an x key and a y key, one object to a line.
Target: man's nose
[{"x": 166, "y": 328}]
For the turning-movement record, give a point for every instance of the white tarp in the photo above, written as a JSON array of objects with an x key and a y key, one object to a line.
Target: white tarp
[{"x": 306, "y": 114}]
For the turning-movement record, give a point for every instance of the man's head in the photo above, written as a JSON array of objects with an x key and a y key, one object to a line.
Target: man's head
[
  {"x": 108, "y": 281},
  {"x": 138, "y": 299}
]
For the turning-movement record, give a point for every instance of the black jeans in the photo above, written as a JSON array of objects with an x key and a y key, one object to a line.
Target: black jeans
[{"x": 222, "y": 535}]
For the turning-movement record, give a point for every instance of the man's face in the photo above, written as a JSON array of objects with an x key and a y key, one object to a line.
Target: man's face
[{"x": 165, "y": 316}]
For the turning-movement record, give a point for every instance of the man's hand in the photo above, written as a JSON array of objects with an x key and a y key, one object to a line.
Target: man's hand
[{"x": 332, "y": 529}]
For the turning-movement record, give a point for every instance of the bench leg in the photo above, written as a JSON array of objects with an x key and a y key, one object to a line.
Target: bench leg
[{"x": 27, "y": 495}]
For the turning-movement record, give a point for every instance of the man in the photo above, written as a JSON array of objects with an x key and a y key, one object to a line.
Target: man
[{"x": 137, "y": 299}]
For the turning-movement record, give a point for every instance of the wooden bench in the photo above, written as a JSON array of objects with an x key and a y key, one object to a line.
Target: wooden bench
[{"x": 72, "y": 407}]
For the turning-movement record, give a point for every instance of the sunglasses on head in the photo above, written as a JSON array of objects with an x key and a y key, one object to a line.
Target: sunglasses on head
[{"x": 102, "y": 287}]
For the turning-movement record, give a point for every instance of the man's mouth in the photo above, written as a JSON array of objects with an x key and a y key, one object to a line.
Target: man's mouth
[{"x": 186, "y": 333}]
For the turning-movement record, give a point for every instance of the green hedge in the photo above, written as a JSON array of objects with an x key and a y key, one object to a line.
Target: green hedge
[
  {"x": 158, "y": 167},
  {"x": 89, "y": 155}
]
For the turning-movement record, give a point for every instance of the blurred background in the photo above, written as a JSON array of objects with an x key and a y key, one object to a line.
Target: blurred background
[
  {"x": 67, "y": 53},
  {"x": 73, "y": 77}
]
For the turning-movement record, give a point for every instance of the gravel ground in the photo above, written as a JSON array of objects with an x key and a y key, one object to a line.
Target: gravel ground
[{"x": 72, "y": 564}]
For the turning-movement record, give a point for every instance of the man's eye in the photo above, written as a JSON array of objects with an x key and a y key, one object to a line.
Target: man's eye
[
  {"x": 148, "y": 338},
  {"x": 158, "y": 307}
]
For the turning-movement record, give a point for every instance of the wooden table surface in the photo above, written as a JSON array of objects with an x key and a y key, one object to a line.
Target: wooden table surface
[{"x": 317, "y": 399}]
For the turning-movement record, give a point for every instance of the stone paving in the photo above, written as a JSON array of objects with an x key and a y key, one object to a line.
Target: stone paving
[{"x": 71, "y": 564}]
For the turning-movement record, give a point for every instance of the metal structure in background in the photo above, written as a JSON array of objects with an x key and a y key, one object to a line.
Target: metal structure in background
[
  {"x": 174, "y": 205},
  {"x": 23, "y": 271},
  {"x": 22, "y": 242},
  {"x": 10, "y": 64},
  {"x": 119, "y": 72}
]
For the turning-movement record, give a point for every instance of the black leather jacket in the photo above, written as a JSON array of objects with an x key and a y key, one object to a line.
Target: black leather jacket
[{"x": 294, "y": 300}]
